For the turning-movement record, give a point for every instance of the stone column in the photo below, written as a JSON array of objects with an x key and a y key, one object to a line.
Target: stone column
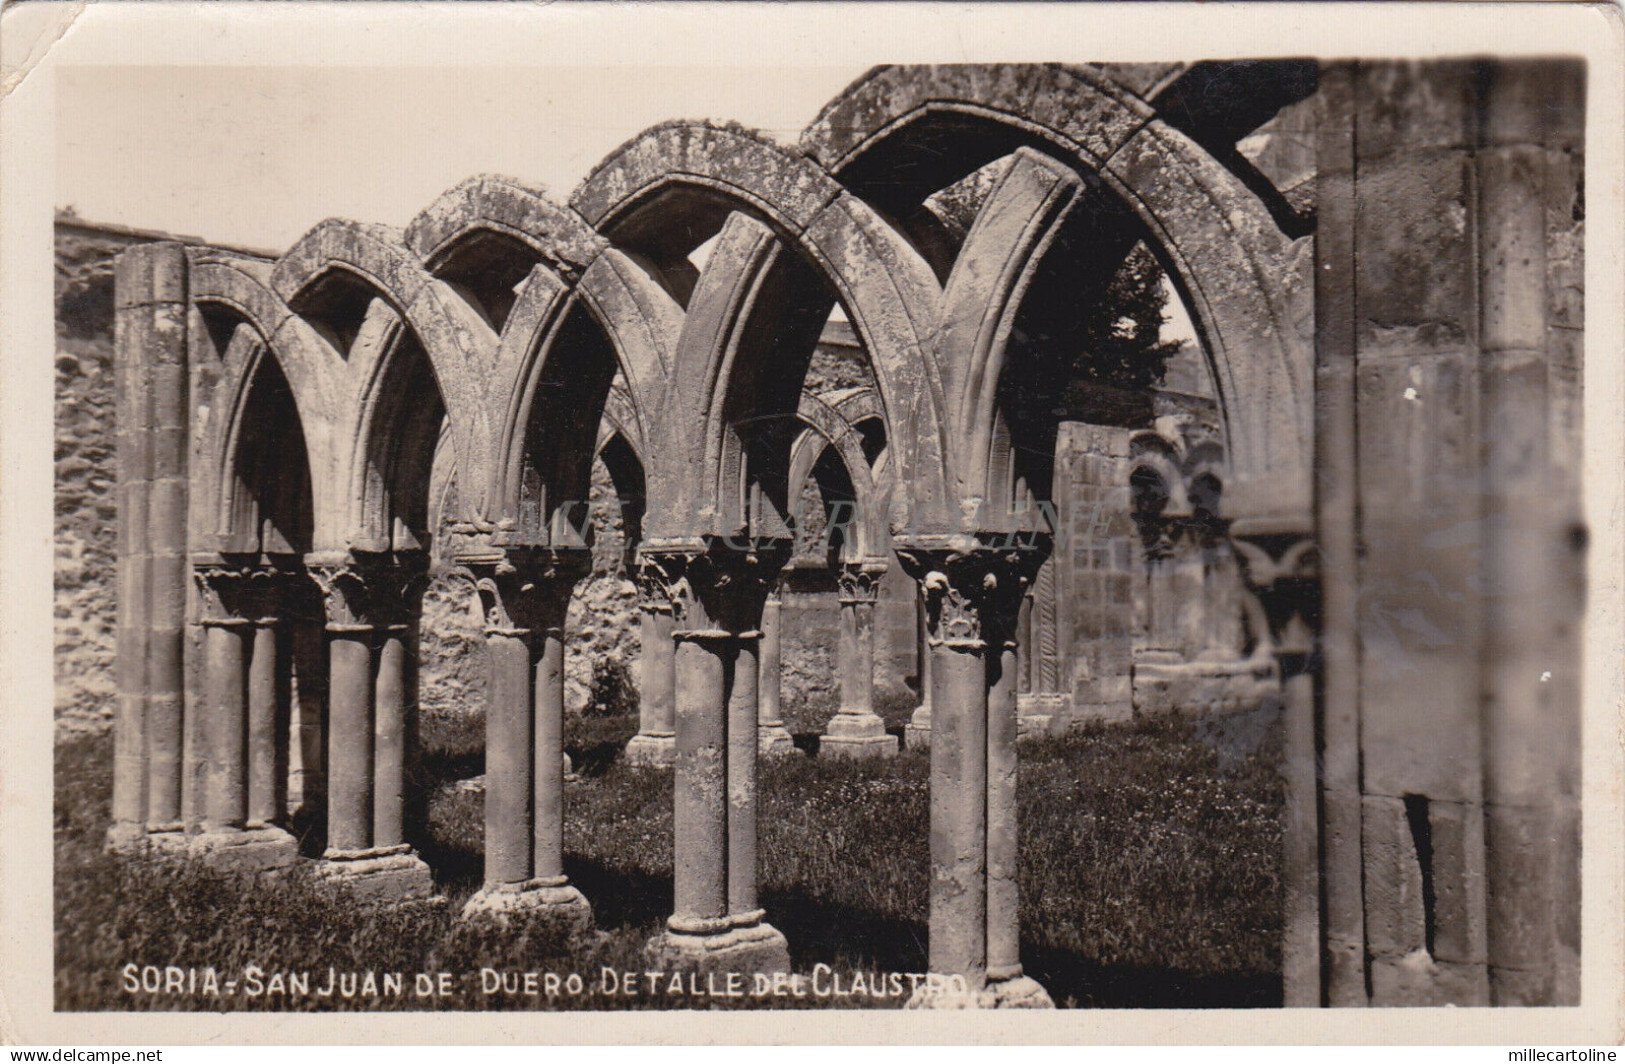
[
  {"x": 150, "y": 337},
  {"x": 972, "y": 596},
  {"x": 773, "y": 737},
  {"x": 717, "y": 596},
  {"x": 1282, "y": 575},
  {"x": 526, "y": 595},
  {"x": 856, "y": 731},
  {"x": 234, "y": 664},
  {"x": 268, "y": 696},
  {"x": 918, "y": 733},
  {"x": 363, "y": 600},
  {"x": 655, "y": 744}
]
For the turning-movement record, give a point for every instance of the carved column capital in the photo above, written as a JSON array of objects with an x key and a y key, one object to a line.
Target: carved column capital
[
  {"x": 1282, "y": 574},
  {"x": 714, "y": 589},
  {"x": 859, "y": 582},
  {"x": 973, "y": 590},
  {"x": 223, "y": 593},
  {"x": 527, "y": 591}
]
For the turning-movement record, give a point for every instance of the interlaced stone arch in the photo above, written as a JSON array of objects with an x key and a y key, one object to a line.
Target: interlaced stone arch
[{"x": 1224, "y": 251}]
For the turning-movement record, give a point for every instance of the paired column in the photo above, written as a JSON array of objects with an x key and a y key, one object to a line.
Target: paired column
[
  {"x": 244, "y": 698},
  {"x": 856, "y": 731},
  {"x": 655, "y": 744},
  {"x": 526, "y": 595},
  {"x": 717, "y": 598},
  {"x": 772, "y": 736},
  {"x": 972, "y": 596},
  {"x": 918, "y": 733},
  {"x": 371, "y": 606}
]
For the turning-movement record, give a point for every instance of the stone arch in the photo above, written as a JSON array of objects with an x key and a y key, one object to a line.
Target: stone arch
[
  {"x": 827, "y": 427},
  {"x": 485, "y": 235},
  {"x": 1223, "y": 250},
  {"x": 248, "y": 328},
  {"x": 637, "y": 320},
  {"x": 676, "y": 185},
  {"x": 340, "y": 270}
]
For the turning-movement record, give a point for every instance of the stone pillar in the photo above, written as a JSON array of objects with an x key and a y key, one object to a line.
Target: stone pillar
[
  {"x": 856, "y": 731},
  {"x": 655, "y": 744},
  {"x": 365, "y": 600},
  {"x": 268, "y": 704},
  {"x": 973, "y": 596},
  {"x": 717, "y": 597},
  {"x": 526, "y": 596},
  {"x": 918, "y": 733},
  {"x": 772, "y": 736},
  {"x": 239, "y": 688},
  {"x": 1282, "y": 572},
  {"x": 150, "y": 337}
]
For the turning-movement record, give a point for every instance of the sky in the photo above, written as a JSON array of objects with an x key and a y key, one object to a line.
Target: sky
[{"x": 255, "y": 156}]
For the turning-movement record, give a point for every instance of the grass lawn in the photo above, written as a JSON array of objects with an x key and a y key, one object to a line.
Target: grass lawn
[{"x": 1150, "y": 876}]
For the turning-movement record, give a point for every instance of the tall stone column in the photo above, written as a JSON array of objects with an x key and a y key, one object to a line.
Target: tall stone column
[
  {"x": 235, "y": 662},
  {"x": 268, "y": 701},
  {"x": 1282, "y": 573},
  {"x": 856, "y": 731},
  {"x": 717, "y": 596},
  {"x": 150, "y": 337},
  {"x": 526, "y": 595},
  {"x": 973, "y": 596},
  {"x": 655, "y": 744},
  {"x": 362, "y": 598},
  {"x": 772, "y": 736}
]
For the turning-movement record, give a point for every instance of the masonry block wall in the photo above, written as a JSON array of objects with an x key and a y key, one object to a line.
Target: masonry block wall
[
  {"x": 1448, "y": 297},
  {"x": 1096, "y": 572}
]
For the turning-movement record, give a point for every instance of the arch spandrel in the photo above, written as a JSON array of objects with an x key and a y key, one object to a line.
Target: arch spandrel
[
  {"x": 509, "y": 207},
  {"x": 1221, "y": 246},
  {"x": 641, "y": 321},
  {"x": 459, "y": 343},
  {"x": 886, "y": 287}
]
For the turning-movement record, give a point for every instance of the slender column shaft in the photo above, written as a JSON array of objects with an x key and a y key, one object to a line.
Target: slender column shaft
[
  {"x": 656, "y": 710},
  {"x": 509, "y": 761},
  {"x": 700, "y": 813},
  {"x": 134, "y": 574},
  {"x": 549, "y": 756},
  {"x": 389, "y": 738},
  {"x": 264, "y": 712},
  {"x": 857, "y": 657},
  {"x": 741, "y": 775},
  {"x": 1003, "y": 891},
  {"x": 350, "y": 739},
  {"x": 769, "y": 692},
  {"x": 958, "y": 920},
  {"x": 225, "y": 793},
  {"x": 1025, "y": 648}
]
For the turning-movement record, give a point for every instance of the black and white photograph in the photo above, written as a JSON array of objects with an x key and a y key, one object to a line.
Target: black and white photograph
[{"x": 861, "y": 524}]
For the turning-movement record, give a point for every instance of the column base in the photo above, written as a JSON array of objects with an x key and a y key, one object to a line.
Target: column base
[
  {"x": 917, "y": 736},
  {"x": 387, "y": 875},
  {"x": 651, "y": 751},
  {"x": 553, "y": 903},
  {"x": 725, "y": 945},
  {"x": 1021, "y": 992},
  {"x": 257, "y": 849},
  {"x": 773, "y": 740},
  {"x": 857, "y": 737}
]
